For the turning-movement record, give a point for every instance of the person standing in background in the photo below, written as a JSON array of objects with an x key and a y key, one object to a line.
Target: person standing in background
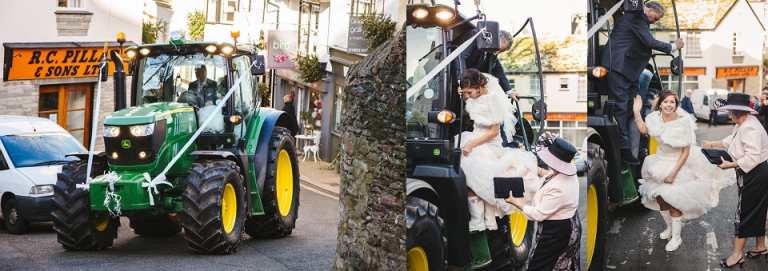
[{"x": 685, "y": 103}]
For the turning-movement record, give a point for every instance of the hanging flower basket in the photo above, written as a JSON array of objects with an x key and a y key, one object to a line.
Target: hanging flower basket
[{"x": 309, "y": 68}]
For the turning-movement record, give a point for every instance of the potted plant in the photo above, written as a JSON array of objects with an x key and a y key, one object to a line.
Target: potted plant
[
  {"x": 196, "y": 24},
  {"x": 309, "y": 68},
  {"x": 378, "y": 29}
]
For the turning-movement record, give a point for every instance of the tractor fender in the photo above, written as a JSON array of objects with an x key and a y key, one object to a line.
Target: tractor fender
[
  {"x": 606, "y": 134},
  {"x": 269, "y": 118}
]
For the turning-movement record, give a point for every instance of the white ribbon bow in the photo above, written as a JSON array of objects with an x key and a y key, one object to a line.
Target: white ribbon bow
[{"x": 152, "y": 185}]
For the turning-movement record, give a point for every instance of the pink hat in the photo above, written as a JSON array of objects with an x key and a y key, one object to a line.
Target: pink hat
[{"x": 558, "y": 156}]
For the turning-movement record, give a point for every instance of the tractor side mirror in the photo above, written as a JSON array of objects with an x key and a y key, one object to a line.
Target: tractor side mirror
[
  {"x": 539, "y": 110},
  {"x": 259, "y": 66}
]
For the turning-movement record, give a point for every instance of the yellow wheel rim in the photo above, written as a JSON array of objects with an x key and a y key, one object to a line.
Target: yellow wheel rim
[
  {"x": 100, "y": 222},
  {"x": 228, "y": 208},
  {"x": 284, "y": 183},
  {"x": 591, "y": 222},
  {"x": 518, "y": 225},
  {"x": 417, "y": 260}
]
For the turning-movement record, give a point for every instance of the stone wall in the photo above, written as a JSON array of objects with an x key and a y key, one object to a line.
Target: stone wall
[{"x": 372, "y": 194}]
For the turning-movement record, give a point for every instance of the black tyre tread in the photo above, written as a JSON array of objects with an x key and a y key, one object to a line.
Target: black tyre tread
[
  {"x": 155, "y": 226},
  {"x": 597, "y": 175},
  {"x": 21, "y": 226},
  {"x": 425, "y": 229},
  {"x": 272, "y": 224},
  {"x": 504, "y": 254},
  {"x": 201, "y": 211},
  {"x": 72, "y": 218}
]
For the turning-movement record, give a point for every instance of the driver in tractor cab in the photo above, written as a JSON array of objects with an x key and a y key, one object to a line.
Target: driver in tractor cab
[
  {"x": 627, "y": 52},
  {"x": 204, "y": 89}
]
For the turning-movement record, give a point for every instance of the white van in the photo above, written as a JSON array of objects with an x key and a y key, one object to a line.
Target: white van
[
  {"x": 32, "y": 152},
  {"x": 700, "y": 100}
]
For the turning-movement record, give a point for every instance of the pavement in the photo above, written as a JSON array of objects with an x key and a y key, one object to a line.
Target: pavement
[{"x": 319, "y": 176}]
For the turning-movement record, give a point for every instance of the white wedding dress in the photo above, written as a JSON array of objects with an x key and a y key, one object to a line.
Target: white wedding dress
[
  {"x": 697, "y": 185},
  {"x": 490, "y": 159}
]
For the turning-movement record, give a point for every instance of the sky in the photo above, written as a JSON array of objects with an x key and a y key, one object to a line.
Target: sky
[{"x": 550, "y": 17}]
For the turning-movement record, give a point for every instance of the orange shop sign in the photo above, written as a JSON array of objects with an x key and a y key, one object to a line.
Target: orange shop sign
[
  {"x": 737, "y": 71},
  {"x": 44, "y": 63}
]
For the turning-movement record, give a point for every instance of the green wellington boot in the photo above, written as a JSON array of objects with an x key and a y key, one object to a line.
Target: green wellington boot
[{"x": 481, "y": 255}]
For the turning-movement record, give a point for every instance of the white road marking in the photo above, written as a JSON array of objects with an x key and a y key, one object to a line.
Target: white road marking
[
  {"x": 322, "y": 193},
  {"x": 711, "y": 241},
  {"x": 616, "y": 226}
]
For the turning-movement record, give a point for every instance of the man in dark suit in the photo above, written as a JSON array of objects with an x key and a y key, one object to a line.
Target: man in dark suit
[
  {"x": 626, "y": 54},
  {"x": 487, "y": 62},
  {"x": 204, "y": 87}
]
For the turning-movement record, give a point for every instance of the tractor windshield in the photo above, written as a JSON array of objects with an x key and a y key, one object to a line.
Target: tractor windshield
[
  {"x": 423, "y": 54},
  {"x": 168, "y": 78}
]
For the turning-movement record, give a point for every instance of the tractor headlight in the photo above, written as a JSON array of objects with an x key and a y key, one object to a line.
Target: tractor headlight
[
  {"x": 41, "y": 189},
  {"x": 227, "y": 50},
  {"x": 111, "y": 131},
  {"x": 143, "y": 129}
]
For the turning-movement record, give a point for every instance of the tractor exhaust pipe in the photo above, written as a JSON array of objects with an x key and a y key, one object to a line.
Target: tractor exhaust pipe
[{"x": 119, "y": 76}]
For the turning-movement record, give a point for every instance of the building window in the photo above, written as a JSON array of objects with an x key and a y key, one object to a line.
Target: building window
[
  {"x": 359, "y": 7},
  {"x": 689, "y": 82},
  {"x": 512, "y": 84},
  {"x": 582, "y": 88},
  {"x": 309, "y": 15},
  {"x": 563, "y": 83},
  {"x": 68, "y": 106},
  {"x": 221, "y": 11},
  {"x": 534, "y": 85},
  {"x": 736, "y": 49},
  {"x": 573, "y": 131},
  {"x": 73, "y": 4},
  {"x": 693, "y": 44}
]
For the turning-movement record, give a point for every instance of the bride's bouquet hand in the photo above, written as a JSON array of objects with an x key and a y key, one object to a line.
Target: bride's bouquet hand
[{"x": 670, "y": 179}]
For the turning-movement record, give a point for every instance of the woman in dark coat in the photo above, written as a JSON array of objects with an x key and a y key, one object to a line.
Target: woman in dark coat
[{"x": 288, "y": 107}]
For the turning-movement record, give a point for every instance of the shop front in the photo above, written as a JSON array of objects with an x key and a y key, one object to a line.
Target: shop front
[
  {"x": 738, "y": 79},
  {"x": 57, "y": 81}
]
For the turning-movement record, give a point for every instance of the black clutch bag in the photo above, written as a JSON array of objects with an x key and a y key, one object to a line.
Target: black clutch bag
[
  {"x": 713, "y": 155},
  {"x": 502, "y": 186}
]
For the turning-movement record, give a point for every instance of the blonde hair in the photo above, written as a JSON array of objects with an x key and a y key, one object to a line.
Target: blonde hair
[{"x": 287, "y": 98}]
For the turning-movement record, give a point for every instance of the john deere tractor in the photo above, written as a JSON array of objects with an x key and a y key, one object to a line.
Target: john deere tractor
[{"x": 240, "y": 173}]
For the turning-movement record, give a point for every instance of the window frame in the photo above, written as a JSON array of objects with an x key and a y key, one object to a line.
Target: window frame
[
  {"x": 70, "y": 6},
  {"x": 693, "y": 44},
  {"x": 218, "y": 16}
]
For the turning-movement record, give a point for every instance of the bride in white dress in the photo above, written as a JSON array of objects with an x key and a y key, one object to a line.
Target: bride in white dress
[
  {"x": 678, "y": 180},
  {"x": 485, "y": 158}
]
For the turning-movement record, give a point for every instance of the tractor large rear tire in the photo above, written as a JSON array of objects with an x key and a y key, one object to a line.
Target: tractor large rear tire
[
  {"x": 424, "y": 241},
  {"x": 155, "y": 226},
  {"x": 213, "y": 211},
  {"x": 77, "y": 228},
  {"x": 510, "y": 244},
  {"x": 597, "y": 207},
  {"x": 280, "y": 197}
]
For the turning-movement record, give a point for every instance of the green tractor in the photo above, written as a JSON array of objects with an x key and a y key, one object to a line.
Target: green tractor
[
  {"x": 168, "y": 166},
  {"x": 437, "y": 216}
]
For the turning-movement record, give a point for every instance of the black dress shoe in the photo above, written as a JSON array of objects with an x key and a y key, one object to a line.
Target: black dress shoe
[{"x": 627, "y": 156}]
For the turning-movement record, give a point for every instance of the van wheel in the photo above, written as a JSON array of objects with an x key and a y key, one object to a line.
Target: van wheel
[
  {"x": 597, "y": 206},
  {"x": 14, "y": 222}
]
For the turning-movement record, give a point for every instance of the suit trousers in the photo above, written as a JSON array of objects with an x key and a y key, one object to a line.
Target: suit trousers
[{"x": 623, "y": 92}]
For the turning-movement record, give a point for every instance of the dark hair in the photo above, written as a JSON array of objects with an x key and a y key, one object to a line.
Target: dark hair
[
  {"x": 472, "y": 78},
  {"x": 738, "y": 113},
  {"x": 663, "y": 96}
]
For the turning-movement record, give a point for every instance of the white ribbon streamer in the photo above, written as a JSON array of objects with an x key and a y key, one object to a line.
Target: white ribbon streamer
[
  {"x": 416, "y": 87},
  {"x": 94, "y": 129},
  {"x": 603, "y": 19}
]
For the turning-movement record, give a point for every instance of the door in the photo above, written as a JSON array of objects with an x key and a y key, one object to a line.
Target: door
[
  {"x": 736, "y": 85},
  {"x": 70, "y": 107}
]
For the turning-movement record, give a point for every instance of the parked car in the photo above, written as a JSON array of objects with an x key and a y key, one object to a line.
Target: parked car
[
  {"x": 32, "y": 152},
  {"x": 700, "y": 100},
  {"x": 581, "y": 166}
]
